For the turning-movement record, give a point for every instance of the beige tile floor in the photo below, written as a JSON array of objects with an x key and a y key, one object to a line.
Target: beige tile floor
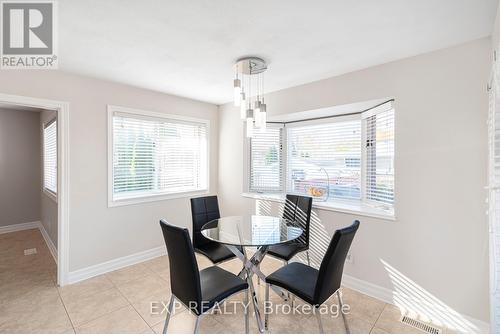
[{"x": 120, "y": 301}]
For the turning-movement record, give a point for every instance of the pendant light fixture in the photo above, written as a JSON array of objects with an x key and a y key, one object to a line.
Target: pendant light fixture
[{"x": 250, "y": 74}]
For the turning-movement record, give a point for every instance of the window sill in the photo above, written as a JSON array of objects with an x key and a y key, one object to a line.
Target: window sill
[
  {"x": 154, "y": 198},
  {"x": 360, "y": 209},
  {"x": 50, "y": 194}
]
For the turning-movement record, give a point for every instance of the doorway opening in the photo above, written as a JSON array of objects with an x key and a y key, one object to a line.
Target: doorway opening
[{"x": 52, "y": 183}]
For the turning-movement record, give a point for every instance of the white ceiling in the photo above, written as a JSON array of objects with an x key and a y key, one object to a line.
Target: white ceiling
[{"x": 188, "y": 47}]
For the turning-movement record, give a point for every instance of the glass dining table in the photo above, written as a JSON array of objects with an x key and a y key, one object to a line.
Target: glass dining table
[{"x": 240, "y": 232}]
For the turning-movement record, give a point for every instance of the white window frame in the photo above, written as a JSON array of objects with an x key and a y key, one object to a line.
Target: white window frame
[
  {"x": 112, "y": 202},
  {"x": 364, "y": 206},
  {"x": 48, "y": 192}
]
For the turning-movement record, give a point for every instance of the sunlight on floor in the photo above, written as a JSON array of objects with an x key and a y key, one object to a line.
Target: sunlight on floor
[{"x": 416, "y": 302}]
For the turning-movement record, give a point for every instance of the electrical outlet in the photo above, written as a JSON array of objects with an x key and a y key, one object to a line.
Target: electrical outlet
[{"x": 349, "y": 258}]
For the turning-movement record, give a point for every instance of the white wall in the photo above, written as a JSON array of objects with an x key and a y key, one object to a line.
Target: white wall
[
  {"x": 48, "y": 207},
  {"x": 98, "y": 233},
  {"x": 19, "y": 167},
  {"x": 495, "y": 37},
  {"x": 439, "y": 240}
]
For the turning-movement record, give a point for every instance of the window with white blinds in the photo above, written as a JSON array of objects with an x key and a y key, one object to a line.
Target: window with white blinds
[
  {"x": 157, "y": 156},
  {"x": 346, "y": 158},
  {"x": 266, "y": 163},
  {"x": 50, "y": 157},
  {"x": 324, "y": 161},
  {"x": 380, "y": 156}
]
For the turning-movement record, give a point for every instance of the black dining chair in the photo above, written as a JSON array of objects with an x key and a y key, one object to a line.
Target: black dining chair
[
  {"x": 198, "y": 291},
  {"x": 316, "y": 286},
  {"x": 298, "y": 210},
  {"x": 204, "y": 210}
]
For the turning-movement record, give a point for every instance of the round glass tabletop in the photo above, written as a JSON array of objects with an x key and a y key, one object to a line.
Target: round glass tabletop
[{"x": 251, "y": 230}]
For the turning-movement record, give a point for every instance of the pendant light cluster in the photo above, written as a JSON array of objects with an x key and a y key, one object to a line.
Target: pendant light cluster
[{"x": 249, "y": 93}]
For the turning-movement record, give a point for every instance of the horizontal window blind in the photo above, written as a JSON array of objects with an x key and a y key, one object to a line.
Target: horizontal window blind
[
  {"x": 380, "y": 156},
  {"x": 50, "y": 157},
  {"x": 266, "y": 162},
  {"x": 158, "y": 156},
  {"x": 324, "y": 161}
]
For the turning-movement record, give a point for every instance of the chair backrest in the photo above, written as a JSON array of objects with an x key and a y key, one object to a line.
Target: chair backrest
[
  {"x": 203, "y": 210},
  {"x": 184, "y": 274},
  {"x": 332, "y": 266},
  {"x": 298, "y": 209}
]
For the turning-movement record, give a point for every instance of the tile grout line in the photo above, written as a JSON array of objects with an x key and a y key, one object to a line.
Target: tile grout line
[
  {"x": 96, "y": 292},
  {"x": 101, "y": 316},
  {"x": 57, "y": 288},
  {"x": 385, "y": 305},
  {"x": 130, "y": 302},
  {"x": 65, "y": 309},
  {"x": 93, "y": 294}
]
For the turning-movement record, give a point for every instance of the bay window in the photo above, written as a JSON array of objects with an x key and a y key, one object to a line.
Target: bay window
[{"x": 336, "y": 160}]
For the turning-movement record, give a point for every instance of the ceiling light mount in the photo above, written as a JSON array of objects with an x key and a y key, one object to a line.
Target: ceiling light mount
[{"x": 250, "y": 65}]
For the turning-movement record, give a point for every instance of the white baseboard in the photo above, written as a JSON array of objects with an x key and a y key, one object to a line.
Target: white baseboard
[
  {"x": 367, "y": 288},
  {"x": 19, "y": 227},
  {"x": 387, "y": 295},
  {"x": 48, "y": 241},
  {"x": 108, "y": 266}
]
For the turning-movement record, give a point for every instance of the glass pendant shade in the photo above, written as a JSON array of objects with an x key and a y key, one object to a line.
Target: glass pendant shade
[
  {"x": 263, "y": 117},
  {"x": 256, "y": 114},
  {"x": 243, "y": 109},
  {"x": 237, "y": 92},
  {"x": 249, "y": 123}
]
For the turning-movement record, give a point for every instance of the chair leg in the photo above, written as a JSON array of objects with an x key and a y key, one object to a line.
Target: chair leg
[
  {"x": 197, "y": 325},
  {"x": 320, "y": 324},
  {"x": 341, "y": 304},
  {"x": 266, "y": 313},
  {"x": 285, "y": 263},
  {"x": 308, "y": 259},
  {"x": 169, "y": 310},
  {"x": 247, "y": 317}
]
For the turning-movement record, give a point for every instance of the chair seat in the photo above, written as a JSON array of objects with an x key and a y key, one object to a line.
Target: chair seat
[
  {"x": 217, "y": 284},
  {"x": 215, "y": 252},
  {"x": 297, "y": 278},
  {"x": 286, "y": 251}
]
